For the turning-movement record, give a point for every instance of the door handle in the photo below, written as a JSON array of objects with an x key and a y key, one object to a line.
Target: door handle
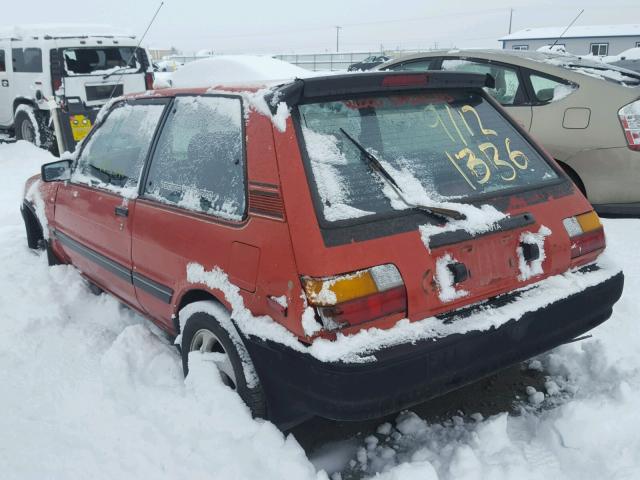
[{"x": 122, "y": 211}]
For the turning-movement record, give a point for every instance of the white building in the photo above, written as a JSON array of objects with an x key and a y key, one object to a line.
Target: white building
[{"x": 598, "y": 40}]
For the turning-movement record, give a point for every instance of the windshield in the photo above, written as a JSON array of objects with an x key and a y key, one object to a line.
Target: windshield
[
  {"x": 100, "y": 60},
  {"x": 438, "y": 147}
]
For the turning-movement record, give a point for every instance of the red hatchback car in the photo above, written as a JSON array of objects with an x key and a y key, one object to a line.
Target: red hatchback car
[{"x": 343, "y": 246}]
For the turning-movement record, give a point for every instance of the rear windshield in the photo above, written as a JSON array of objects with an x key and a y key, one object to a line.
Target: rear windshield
[
  {"x": 443, "y": 145},
  {"x": 100, "y": 60}
]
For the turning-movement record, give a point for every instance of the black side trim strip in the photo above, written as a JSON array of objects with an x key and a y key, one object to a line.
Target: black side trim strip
[
  {"x": 457, "y": 236},
  {"x": 106, "y": 263},
  {"x": 156, "y": 289}
]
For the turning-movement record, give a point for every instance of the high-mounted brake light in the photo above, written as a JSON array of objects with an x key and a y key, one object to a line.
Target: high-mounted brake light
[
  {"x": 357, "y": 297},
  {"x": 586, "y": 233},
  {"x": 630, "y": 120},
  {"x": 416, "y": 80}
]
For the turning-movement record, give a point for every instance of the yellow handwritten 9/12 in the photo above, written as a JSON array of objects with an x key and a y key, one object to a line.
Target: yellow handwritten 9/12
[{"x": 476, "y": 170}]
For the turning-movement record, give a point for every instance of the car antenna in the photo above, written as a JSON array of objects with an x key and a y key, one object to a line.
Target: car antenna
[
  {"x": 565, "y": 30},
  {"x": 136, "y": 49}
]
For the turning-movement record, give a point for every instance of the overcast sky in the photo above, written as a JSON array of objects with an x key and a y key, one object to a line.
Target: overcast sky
[{"x": 258, "y": 26}]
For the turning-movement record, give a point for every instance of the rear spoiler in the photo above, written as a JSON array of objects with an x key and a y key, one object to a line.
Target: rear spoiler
[{"x": 372, "y": 82}]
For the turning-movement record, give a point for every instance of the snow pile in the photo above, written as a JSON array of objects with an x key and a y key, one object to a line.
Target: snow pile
[
  {"x": 531, "y": 269},
  {"x": 95, "y": 391},
  {"x": 444, "y": 279},
  {"x": 557, "y": 49},
  {"x": 245, "y": 69}
]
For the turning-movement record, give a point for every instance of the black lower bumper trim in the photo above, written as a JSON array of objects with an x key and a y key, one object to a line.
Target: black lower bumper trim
[
  {"x": 298, "y": 386},
  {"x": 618, "y": 209}
]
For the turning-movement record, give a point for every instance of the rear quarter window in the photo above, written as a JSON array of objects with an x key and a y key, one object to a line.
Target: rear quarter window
[{"x": 199, "y": 163}]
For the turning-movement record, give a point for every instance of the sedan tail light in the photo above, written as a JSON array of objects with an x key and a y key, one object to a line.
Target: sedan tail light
[
  {"x": 586, "y": 233},
  {"x": 357, "y": 297},
  {"x": 630, "y": 119}
]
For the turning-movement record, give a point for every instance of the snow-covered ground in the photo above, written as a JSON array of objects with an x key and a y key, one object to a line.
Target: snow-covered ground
[{"x": 91, "y": 390}]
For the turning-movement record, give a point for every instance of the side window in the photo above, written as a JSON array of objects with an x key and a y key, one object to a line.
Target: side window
[
  {"x": 599, "y": 49},
  {"x": 508, "y": 90},
  {"x": 418, "y": 65},
  {"x": 114, "y": 154},
  {"x": 27, "y": 60},
  {"x": 547, "y": 90},
  {"x": 3, "y": 67},
  {"x": 198, "y": 163}
]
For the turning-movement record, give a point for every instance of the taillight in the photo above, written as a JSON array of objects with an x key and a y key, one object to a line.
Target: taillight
[
  {"x": 148, "y": 81},
  {"x": 357, "y": 297},
  {"x": 630, "y": 119},
  {"x": 586, "y": 233},
  {"x": 56, "y": 83}
]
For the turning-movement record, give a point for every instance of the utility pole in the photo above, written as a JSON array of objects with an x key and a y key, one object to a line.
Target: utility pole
[
  {"x": 510, "y": 19},
  {"x": 338, "y": 38}
]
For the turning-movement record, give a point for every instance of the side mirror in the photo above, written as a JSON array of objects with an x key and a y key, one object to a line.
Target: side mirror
[{"x": 56, "y": 171}]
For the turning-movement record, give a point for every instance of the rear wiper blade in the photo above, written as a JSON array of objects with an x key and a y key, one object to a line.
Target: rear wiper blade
[
  {"x": 107, "y": 75},
  {"x": 376, "y": 166}
]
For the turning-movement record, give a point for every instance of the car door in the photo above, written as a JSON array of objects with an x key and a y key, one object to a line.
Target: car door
[
  {"x": 509, "y": 90},
  {"x": 94, "y": 211},
  {"x": 5, "y": 90},
  {"x": 193, "y": 204}
]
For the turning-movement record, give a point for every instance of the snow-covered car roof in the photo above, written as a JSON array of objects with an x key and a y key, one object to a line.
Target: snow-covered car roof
[
  {"x": 576, "y": 31},
  {"x": 62, "y": 30},
  {"x": 236, "y": 69}
]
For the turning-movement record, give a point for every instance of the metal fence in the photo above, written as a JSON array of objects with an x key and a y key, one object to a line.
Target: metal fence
[{"x": 325, "y": 61}]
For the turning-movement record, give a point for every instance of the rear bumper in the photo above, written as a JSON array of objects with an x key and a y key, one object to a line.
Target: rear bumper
[{"x": 298, "y": 386}]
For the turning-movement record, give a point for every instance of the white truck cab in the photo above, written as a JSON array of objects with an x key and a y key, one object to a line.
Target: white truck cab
[{"x": 60, "y": 75}]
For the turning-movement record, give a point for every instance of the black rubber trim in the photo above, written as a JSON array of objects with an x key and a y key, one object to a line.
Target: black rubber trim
[
  {"x": 106, "y": 263},
  {"x": 457, "y": 236},
  {"x": 156, "y": 289}
]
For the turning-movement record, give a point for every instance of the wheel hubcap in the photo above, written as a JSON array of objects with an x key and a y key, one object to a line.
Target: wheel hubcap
[
  {"x": 204, "y": 341},
  {"x": 27, "y": 131}
]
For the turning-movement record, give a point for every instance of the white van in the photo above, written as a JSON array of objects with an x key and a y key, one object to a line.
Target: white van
[{"x": 60, "y": 75}]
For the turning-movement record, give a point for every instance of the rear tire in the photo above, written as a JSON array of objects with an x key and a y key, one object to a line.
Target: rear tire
[
  {"x": 204, "y": 333},
  {"x": 32, "y": 126}
]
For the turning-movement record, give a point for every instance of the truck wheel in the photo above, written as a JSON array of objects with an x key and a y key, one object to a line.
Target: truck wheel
[
  {"x": 33, "y": 126},
  {"x": 203, "y": 333}
]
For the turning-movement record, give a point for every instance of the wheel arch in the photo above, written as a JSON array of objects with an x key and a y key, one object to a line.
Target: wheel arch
[
  {"x": 23, "y": 101},
  {"x": 191, "y": 296},
  {"x": 35, "y": 232},
  {"x": 573, "y": 175}
]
